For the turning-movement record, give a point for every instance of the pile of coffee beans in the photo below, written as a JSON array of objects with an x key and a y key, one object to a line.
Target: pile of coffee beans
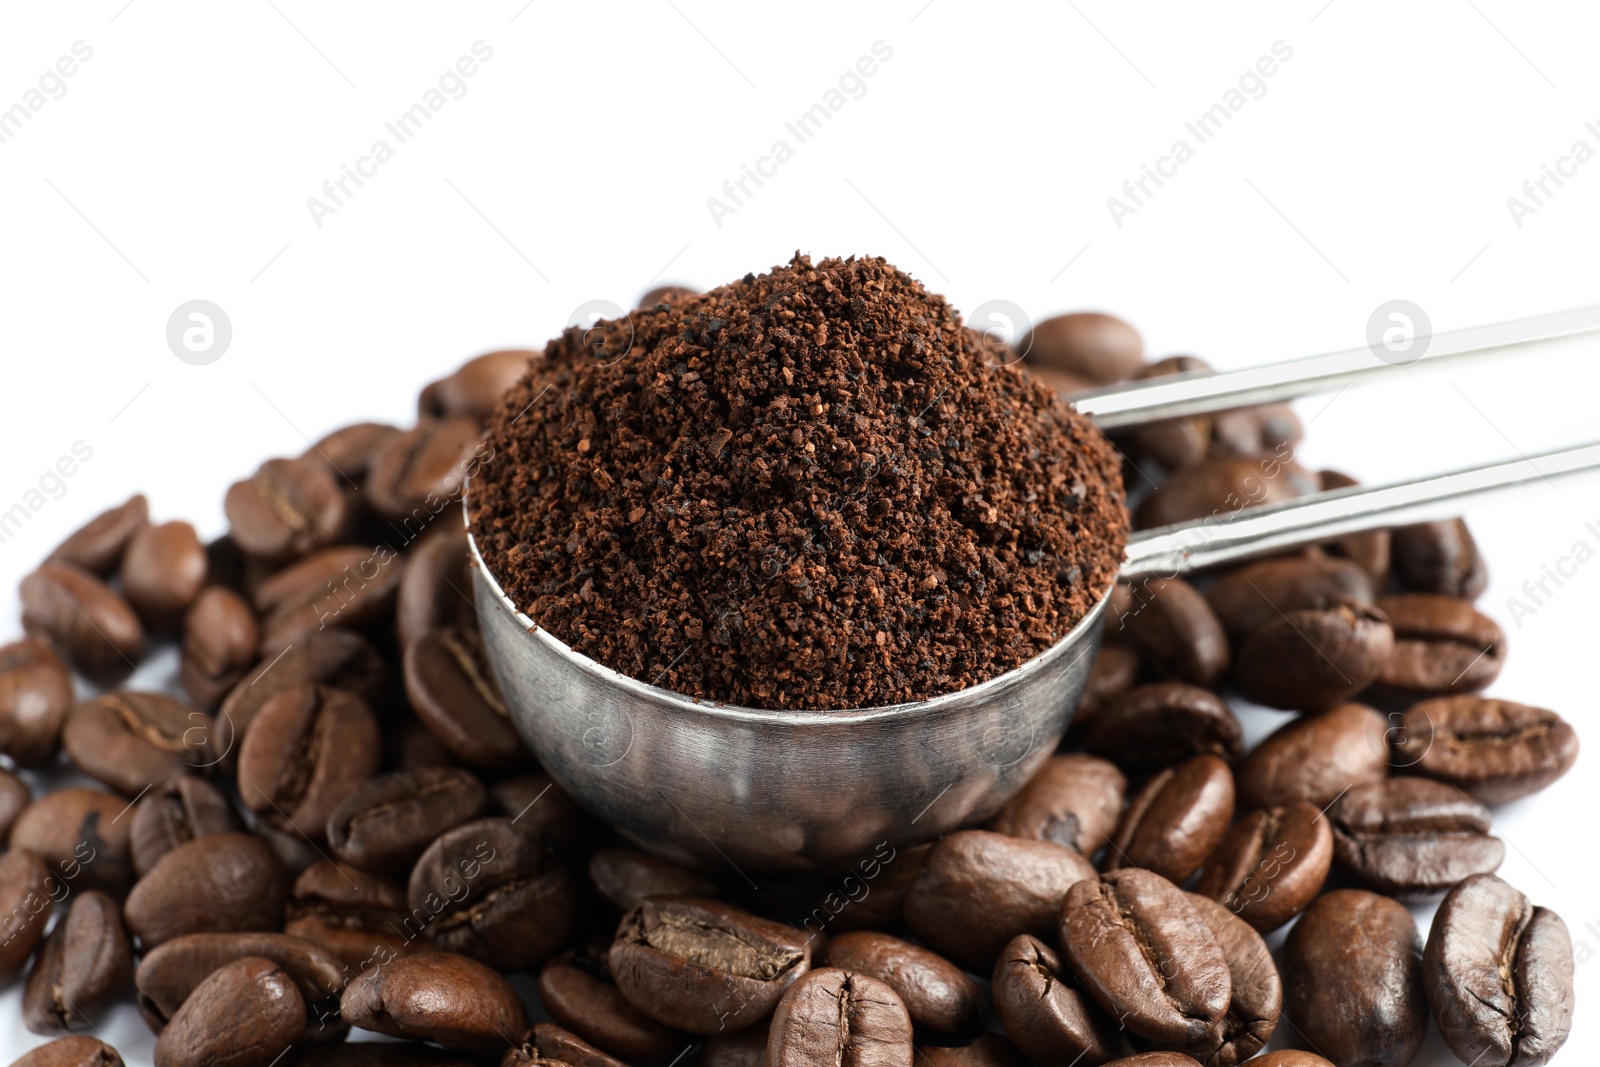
[
  {"x": 813, "y": 488},
  {"x": 335, "y": 828}
]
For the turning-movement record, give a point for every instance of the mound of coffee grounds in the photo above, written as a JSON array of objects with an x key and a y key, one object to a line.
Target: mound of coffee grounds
[{"x": 807, "y": 489}]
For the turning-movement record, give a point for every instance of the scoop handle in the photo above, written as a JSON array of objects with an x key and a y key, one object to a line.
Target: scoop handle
[
  {"x": 1179, "y": 395},
  {"x": 1253, "y": 532}
]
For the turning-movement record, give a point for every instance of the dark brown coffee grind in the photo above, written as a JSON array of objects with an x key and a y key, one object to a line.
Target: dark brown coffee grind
[{"x": 812, "y": 488}]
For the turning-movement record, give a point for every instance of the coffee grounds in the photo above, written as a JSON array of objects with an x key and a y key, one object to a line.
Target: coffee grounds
[{"x": 807, "y": 489}]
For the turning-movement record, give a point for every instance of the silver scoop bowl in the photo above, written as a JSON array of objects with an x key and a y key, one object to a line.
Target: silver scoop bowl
[{"x": 794, "y": 793}]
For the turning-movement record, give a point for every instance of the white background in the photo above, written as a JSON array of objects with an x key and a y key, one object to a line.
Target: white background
[{"x": 578, "y": 164}]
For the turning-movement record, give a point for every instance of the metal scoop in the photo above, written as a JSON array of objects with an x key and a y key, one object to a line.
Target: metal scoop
[{"x": 809, "y": 792}]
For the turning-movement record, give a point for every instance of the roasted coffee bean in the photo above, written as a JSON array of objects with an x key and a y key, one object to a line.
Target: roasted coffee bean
[
  {"x": 436, "y": 996},
  {"x": 85, "y": 964},
  {"x": 1091, "y": 345},
  {"x": 1441, "y": 646},
  {"x": 626, "y": 877},
  {"x": 227, "y": 566},
  {"x": 1050, "y": 1021},
  {"x": 14, "y": 798},
  {"x": 1290, "y": 1058},
  {"x": 1139, "y": 947},
  {"x": 1499, "y": 975},
  {"x": 544, "y": 808},
  {"x": 71, "y": 1052},
  {"x": 1158, "y": 725},
  {"x": 1115, "y": 671},
  {"x": 1192, "y": 439},
  {"x": 747, "y": 1048},
  {"x": 1220, "y": 487},
  {"x": 131, "y": 741},
  {"x": 293, "y": 850},
  {"x": 1255, "y": 431},
  {"x": 888, "y": 880},
  {"x": 1257, "y": 996},
  {"x": 306, "y": 751},
  {"x": 451, "y": 689},
  {"x": 939, "y": 997},
  {"x": 408, "y": 745},
  {"x": 1352, "y": 980},
  {"x": 163, "y": 570},
  {"x": 359, "y": 917},
  {"x": 35, "y": 696},
  {"x": 1155, "y": 1059},
  {"x": 1063, "y": 382},
  {"x": 1412, "y": 837},
  {"x": 219, "y": 883},
  {"x": 576, "y": 989},
  {"x": 1262, "y": 592},
  {"x": 1074, "y": 800},
  {"x": 436, "y": 585},
  {"x": 832, "y": 1016},
  {"x": 1175, "y": 820},
  {"x": 288, "y": 508},
  {"x": 81, "y": 835},
  {"x": 245, "y": 1014},
  {"x": 704, "y": 966},
  {"x": 476, "y": 386},
  {"x": 1314, "y": 758},
  {"x": 28, "y": 892},
  {"x": 496, "y": 893},
  {"x": 1314, "y": 658},
  {"x": 349, "y": 449},
  {"x": 663, "y": 294},
  {"x": 92, "y": 627},
  {"x": 348, "y": 453},
  {"x": 422, "y": 466},
  {"x": 1180, "y": 442},
  {"x": 1120, "y": 602},
  {"x": 1371, "y": 551},
  {"x": 97, "y": 545},
  {"x": 252, "y": 573},
  {"x": 335, "y": 658},
  {"x": 348, "y": 587},
  {"x": 989, "y": 1050},
  {"x": 1270, "y": 864},
  {"x": 1175, "y": 630},
  {"x": 169, "y": 973},
  {"x": 1442, "y": 558},
  {"x": 220, "y": 638},
  {"x": 549, "y": 1043},
  {"x": 982, "y": 889},
  {"x": 389, "y": 821},
  {"x": 1494, "y": 749},
  {"x": 183, "y": 809}
]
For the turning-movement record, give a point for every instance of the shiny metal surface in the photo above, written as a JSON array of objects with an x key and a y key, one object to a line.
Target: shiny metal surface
[
  {"x": 1178, "y": 395},
  {"x": 1262, "y": 531}
]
